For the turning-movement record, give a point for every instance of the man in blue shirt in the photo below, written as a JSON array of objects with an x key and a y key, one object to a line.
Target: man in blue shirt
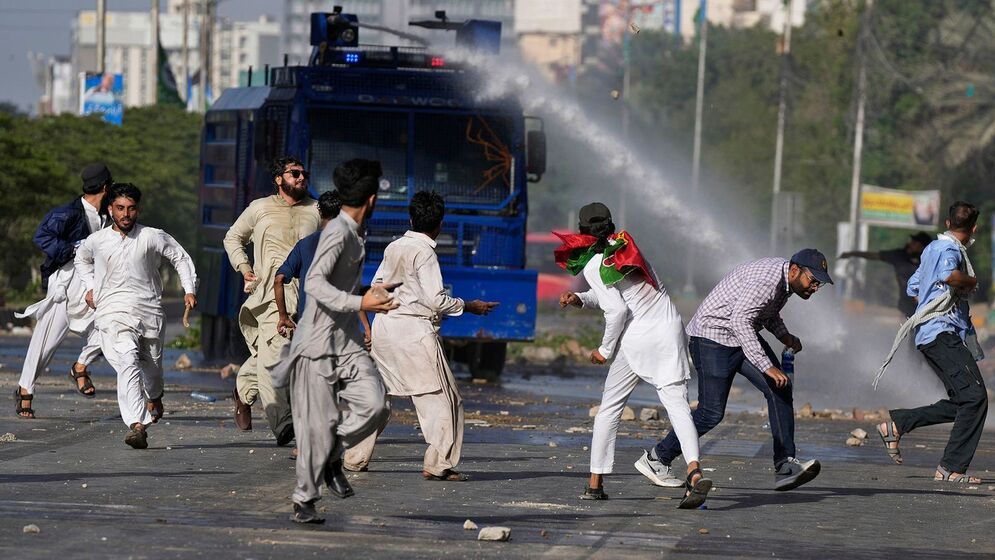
[{"x": 945, "y": 336}]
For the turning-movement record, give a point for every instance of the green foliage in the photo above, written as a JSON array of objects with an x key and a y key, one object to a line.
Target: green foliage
[
  {"x": 157, "y": 149},
  {"x": 189, "y": 340}
]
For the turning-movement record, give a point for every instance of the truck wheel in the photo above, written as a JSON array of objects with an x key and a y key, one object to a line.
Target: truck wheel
[{"x": 486, "y": 359}]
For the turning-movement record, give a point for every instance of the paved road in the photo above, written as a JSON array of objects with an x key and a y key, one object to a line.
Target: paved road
[{"x": 204, "y": 489}]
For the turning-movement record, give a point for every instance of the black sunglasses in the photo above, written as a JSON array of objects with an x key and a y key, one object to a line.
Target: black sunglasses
[{"x": 296, "y": 173}]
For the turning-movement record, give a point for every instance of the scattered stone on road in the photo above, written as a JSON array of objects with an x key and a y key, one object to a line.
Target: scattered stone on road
[
  {"x": 703, "y": 531},
  {"x": 806, "y": 411},
  {"x": 854, "y": 441},
  {"x": 183, "y": 362},
  {"x": 494, "y": 534},
  {"x": 628, "y": 414},
  {"x": 8, "y": 438},
  {"x": 32, "y": 528},
  {"x": 469, "y": 525},
  {"x": 859, "y": 433},
  {"x": 647, "y": 414}
]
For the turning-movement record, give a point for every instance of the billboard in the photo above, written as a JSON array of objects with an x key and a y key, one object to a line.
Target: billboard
[
  {"x": 102, "y": 94},
  {"x": 897, "y": 208}
]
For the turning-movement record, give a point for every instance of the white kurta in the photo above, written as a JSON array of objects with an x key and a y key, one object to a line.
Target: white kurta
[
  {"x": 642, "y": 323},
  {"x": 123, "y": 272},
  {"x": 644, "y": 339},
  {"x": 63, "y": 310}
]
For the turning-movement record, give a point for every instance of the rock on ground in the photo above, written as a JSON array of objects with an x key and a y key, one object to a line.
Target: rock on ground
[
  {"x": 628, "y": 414},
  {"x": 648, "y": 414},
  {"x": 494, "y": 534},
  {"x": 469, "y": 525}
]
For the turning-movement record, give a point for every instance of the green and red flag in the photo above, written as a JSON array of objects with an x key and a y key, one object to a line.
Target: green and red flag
[{"x": 620, "y": 257}]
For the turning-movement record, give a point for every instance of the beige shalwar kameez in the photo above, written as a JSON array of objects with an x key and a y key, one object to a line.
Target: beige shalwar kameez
[
  {"x": 273, "y": 227},
  {"x": 409, "y": 354}
]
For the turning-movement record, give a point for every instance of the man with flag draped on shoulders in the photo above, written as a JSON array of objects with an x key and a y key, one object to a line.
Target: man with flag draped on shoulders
[{"x": 644, "y": 339}]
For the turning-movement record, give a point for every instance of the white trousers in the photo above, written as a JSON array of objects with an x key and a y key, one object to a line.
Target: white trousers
[
  {"x": 50, "y": 330},
  {"x": 619, "y": 385},
  {"x": 138, "y": 363}
]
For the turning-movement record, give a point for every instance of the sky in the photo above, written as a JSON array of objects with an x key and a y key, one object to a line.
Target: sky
[{"x": 44, "y": 26}]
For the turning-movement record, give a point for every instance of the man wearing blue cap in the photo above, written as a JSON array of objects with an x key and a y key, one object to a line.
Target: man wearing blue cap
[{"x": 725, "y": 340}]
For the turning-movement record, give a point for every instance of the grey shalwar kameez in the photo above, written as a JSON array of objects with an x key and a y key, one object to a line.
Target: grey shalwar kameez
[{"x": 326, "y": 363}]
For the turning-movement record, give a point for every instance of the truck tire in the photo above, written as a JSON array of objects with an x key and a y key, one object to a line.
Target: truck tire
[{"x": 486, "y": 359}]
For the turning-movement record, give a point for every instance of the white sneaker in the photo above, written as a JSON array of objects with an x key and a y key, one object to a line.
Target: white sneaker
[{"x": 658, "y": 473}]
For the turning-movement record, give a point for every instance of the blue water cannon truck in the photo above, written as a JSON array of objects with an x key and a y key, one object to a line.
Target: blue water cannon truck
[{"x": 420, "y": 114}]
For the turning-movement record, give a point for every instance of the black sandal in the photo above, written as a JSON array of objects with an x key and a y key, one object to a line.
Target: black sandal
[
  {"x": 87, "y": 383},
  {"x": 594, "y": 493},
  {"x": 695, "y": 492},
  {"x": 20, "y": 410}
]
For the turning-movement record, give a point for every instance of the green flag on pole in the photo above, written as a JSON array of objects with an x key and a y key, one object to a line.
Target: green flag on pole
[{"x": 166, "y": 92}]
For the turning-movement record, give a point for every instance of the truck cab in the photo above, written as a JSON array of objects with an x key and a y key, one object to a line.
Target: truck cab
[{"x": 420, "y": 115}]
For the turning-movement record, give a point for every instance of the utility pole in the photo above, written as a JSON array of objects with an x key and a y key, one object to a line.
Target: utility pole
[
  {"x": 185, "y": 64},
  {"x": 698, "y": 107},
  {"x": 626, "y": 80},
  {"x": 101, "y": 34},
  {"x": 855, "y": 186},
  {"x": 154, "y": 82},
  {"x": 205, "y": 55},
  {"x": 779, "y": 142}
]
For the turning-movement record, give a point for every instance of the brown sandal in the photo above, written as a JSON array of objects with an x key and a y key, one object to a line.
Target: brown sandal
[
  {"x": 87, "y": 383},
  {"x": 447, "y": 475},
  {"x": 25, "y": 412}
]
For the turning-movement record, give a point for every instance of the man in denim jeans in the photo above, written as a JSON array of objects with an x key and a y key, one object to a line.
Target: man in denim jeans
[{"x": 725, "y": 341}]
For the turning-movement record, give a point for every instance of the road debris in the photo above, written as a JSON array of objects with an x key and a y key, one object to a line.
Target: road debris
[
  {"x": 494, "y": 534},
  {"x": 616, "y": 94},
  {"x": 859, "y": 433},
  {"x": 8, "y": 438},
  {"x": 647, "y": 414},
  {"x": 183, "y": 362},
  {"x": 703, "y": 531},
  {"x": 32, "y": 528},
  {"x": 854, "y": 442},
  {"x": 469, "y": 525},
  {"x": 628, "y": 414}
]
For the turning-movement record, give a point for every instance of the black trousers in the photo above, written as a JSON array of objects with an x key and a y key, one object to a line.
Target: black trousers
[{"x": 966, "y": 405}]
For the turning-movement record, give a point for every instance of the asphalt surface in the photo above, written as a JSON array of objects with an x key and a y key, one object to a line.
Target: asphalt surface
[{"x": 205, "y": 489}]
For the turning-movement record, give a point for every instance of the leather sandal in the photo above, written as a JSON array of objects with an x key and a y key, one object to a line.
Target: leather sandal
[
  {"x": 696, "y": 491},
  {"x": 87, "y": 382},
  {"x": 889, "y": 436},
  {"x": 25, "y": 412},
  {"x": 447, "y": 475}
]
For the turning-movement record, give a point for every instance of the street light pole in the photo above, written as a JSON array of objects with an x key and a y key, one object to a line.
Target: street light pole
[
  {"x": 186, "y": 53},
  {"x": 101, "y": 35},
  {"x": 154, "y": 82},
  {"x": 855, "y": 186},
  {"x": 698, "y": 108},
  {"x": 779, "y": 142},
  {"x": 626, "y": 46}
]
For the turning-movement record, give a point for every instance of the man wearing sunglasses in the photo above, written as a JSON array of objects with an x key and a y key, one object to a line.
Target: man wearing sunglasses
[
  {"x": 273, "y": 225},
  {"x": 725, "y": 340}
]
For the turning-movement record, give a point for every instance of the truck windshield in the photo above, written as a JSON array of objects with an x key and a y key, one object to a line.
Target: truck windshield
[{"x": 466, "y": 158}]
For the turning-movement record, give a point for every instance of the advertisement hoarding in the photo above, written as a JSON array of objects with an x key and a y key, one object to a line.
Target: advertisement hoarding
[
  {"x": 102, "y": 94},
  {"x": 897, "y": 208}
]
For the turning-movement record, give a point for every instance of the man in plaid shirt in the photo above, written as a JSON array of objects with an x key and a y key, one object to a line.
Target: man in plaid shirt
[{"x": 725, "y": 340}]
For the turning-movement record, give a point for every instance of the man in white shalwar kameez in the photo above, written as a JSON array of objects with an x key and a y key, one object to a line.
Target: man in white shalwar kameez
[
  {"x": 119, "y": 267},
  {"x": 64, "y": 310},
  {"x": 644, "y": 339},
  {"x": 326, "y": 364},
  {"x": 406, "y": 343}
]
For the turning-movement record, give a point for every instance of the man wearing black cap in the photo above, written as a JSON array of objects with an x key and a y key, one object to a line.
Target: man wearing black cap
[
  {"x": 63, "y": 310},
  {"x": 905, "y": 261},
  {"x": 725, "y": 341}
]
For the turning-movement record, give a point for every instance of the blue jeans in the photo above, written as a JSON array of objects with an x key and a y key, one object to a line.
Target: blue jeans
[{"x": 717, "y": 366}]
